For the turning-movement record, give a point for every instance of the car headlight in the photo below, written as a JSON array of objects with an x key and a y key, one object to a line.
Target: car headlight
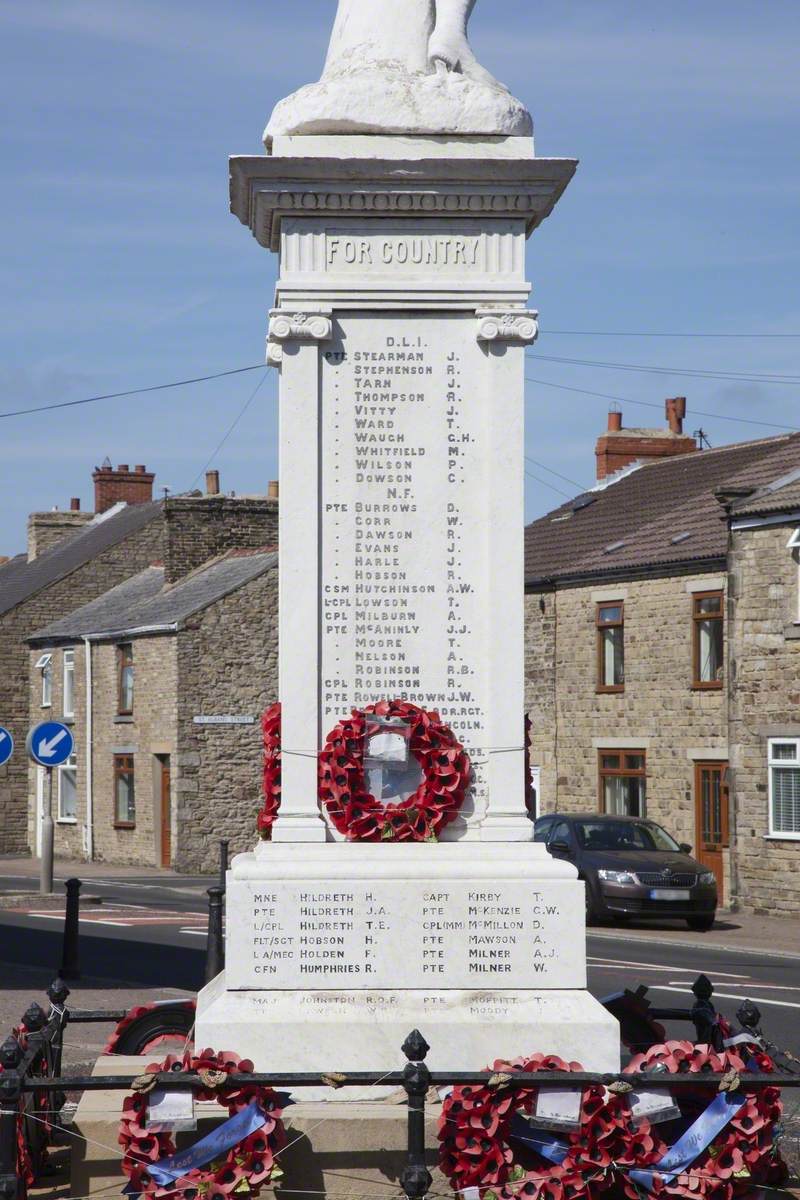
[
  {"x": 626, "y": 878},
  {"x": 707, "y": 877}
]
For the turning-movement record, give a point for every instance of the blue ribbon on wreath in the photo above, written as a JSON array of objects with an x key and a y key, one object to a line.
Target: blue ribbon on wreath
[
  {"x": 693, "y": 1141},
  {"x": 219, "y": 1141},
  {"x": 549, "y": 1147}
]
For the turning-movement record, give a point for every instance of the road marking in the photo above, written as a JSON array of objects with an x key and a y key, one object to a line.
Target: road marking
[
  {"x": 652, "y": 966},
  {"x": 771, "y": 987},
  {"x": 196, "y": 932},
  {"x": 732, "y": 996}
]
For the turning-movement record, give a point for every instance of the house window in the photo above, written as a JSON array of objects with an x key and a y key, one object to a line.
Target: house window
[
  {"x": 610, "y": 647},
  {"x": 125, "y": 679},
  {"x": 45, "y": 665},
  {"x": 68, "y": 705},
  {"x": 68, "y": 791},
  {"x": 623, "y": 782},
  {"x": 124, "y": 792},
  {"x": 708, "y": 639},
  {"x": 784, "y": 787}
]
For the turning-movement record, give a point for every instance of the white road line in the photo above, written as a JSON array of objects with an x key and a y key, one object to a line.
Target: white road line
[
  {"x": 770, "y": 987},
  {"x": 653, "y": 967},
  {"x": 732, "y": 996},
  {"x": 196, "y": 932}
]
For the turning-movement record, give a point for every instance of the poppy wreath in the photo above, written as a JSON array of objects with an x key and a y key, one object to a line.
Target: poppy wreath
[
  {"x": 242, "y": 1171},
  {"x": 26, "y": 1176},
  {"x": 134, "y": 1015},
  {"x": 271, "y": 780},
  {"x": 446, "y": 773},
  {"x": 744, "y": 1155},
  {"x": 478, "y": 1149}
]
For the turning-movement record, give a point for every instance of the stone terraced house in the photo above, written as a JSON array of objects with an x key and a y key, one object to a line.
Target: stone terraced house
[
  {"x": 167, "y": 681},
  {"x": 663, "y": 650}
]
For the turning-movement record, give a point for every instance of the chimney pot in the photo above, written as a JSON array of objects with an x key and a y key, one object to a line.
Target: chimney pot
[
  {"x": 273, "y": 489},
  {"x": 75, "y": 504},
  {"x": 212, "y": 483},
  {"x": 140, "y": 469},
  {"x": 123, "y": 467},
  {"x": 676, "y": 411},
  {"x": 614, "y": 421}
]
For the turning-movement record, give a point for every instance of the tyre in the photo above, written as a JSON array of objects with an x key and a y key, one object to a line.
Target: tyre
[
  {"x": 152, "y": 1029},
  {"x": 701, "y": 924}
]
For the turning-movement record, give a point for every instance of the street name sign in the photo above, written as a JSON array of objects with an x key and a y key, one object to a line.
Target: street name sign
[
  {"x": 6, "y": 746},
  {"x": 50, "y": 744}
]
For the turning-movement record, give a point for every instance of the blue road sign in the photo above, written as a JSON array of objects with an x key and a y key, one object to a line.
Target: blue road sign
[
  {"x": 6, "y": 746},
  {"x": 50, "y": 744}
]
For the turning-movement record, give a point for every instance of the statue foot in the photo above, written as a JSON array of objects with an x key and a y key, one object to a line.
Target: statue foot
[{"x": 450, "y": 51}]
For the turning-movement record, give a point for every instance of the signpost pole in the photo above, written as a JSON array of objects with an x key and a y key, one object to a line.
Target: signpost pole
[{"x": 46, "y": 867}]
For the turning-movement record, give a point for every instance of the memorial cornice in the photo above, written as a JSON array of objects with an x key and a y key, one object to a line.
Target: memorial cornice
[{"x": 264, "y": 190}]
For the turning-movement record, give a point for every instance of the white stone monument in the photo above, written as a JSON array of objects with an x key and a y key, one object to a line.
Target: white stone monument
[{"x": 399, "y": 193}]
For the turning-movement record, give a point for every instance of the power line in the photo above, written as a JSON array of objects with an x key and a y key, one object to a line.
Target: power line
[
  {"x": 158, "y": 387},
  {"x": 643, "y": 334},
  {"x": 562, "y": 387},
  {"x": 550, "y": 470},
  {"x": 229, "y": 430},
  {"x": 552, "y": 486},
  {"x": 692, "y": 372}
]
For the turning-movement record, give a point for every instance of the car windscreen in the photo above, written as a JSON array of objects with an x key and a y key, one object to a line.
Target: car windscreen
[{"x": 623, "y": 835}]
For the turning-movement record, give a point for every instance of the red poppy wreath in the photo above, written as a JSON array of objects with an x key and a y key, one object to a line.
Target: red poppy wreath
[
  {"x": 359, "y": 815},
  {"x": 487, "y": 1144},
  {"x": 744, "y": 1154},
  {"x": 271, "y": 780},
  {"x": 155, "y": 1169}
]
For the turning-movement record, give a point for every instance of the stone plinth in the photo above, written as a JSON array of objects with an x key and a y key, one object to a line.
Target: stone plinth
[{"x": 342, "y": 950}]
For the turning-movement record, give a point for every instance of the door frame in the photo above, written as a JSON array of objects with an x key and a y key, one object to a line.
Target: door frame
[
  {"x": 163, "y": 766},
  {"x": 723, "y": 766}
]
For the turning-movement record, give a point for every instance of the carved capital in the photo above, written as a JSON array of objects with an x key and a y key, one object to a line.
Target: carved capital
[
  {"x": 511, "y": 325},
  {"x": 295, "y": 326}
]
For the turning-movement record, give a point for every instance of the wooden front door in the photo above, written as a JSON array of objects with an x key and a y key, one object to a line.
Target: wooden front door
[
  {"x": 711, "y": 805},
  {"x": 166, "y": 813}
]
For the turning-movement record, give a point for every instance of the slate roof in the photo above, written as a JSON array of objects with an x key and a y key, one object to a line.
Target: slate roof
[
  {"x": 143, "y": 604},
  {"x": 20, "y": 579},
  {"x": 663, "y": 514}
]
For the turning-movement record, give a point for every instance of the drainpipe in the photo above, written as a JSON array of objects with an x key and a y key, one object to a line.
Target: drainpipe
[{"x": 87, "y": 649}]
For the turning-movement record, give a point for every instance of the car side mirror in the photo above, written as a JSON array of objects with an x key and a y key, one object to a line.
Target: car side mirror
[
  {"x": 685, "y": 848},
  {"x": 558, "y": 847}
]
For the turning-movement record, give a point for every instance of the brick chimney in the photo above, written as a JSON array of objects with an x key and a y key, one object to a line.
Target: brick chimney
[
  {"x": 618, "y": 447},
  {"x": 111, "y": 486},
  {"x": 212, "y": 483}
]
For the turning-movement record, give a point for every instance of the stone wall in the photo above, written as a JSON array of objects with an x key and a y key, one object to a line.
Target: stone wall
[
  {"x": 86, "y": 583},
  {"x": 200, "y": 528},
  {"x": 765, "y": 664},
  {"x": 227, "y": 665},
  {"x": 46, "y": 529},
  {"x": 659, "y": 712}
]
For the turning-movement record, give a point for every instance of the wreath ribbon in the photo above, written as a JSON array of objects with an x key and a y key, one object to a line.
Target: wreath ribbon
[
  {"x": 219, "y": 1141},
  {"x": 697, "y": 1138}
]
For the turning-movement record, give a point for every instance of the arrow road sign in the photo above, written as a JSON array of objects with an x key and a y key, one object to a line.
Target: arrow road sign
[
  {"x": 50, "y": 744},
  {"x": 6, "y": 746}
]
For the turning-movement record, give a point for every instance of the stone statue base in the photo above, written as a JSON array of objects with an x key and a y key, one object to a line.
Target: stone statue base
[{"x": 399, "y": 101}]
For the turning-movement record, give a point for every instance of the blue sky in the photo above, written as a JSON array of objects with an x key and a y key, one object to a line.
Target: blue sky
[{"x": 121, "y": 266}]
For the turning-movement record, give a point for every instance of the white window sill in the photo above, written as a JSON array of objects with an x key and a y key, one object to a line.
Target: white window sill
[
  {"x": 782, "y": 837},
  {"x": 66, "y": 820}
]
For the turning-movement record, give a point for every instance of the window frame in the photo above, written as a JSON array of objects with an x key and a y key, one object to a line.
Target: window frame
[
  {"x": 45, "y": 665},
  {"x": 698, "y": 684},
  {"x": 602, "y": 687},
  {"x": 68, "y": 670},
  {"x": 125, "y": 662},
  {"x": 120, "y": 767},
  {"x": 70, "y": 765},
  {"x": 621, "y": 772},
  {"x": 776, "y": 764}
]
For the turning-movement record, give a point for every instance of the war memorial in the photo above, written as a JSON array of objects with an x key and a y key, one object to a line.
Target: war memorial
[{"x": 400, "y": 885}]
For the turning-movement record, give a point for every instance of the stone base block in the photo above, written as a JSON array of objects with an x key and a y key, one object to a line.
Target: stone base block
[{"x": 364, "y": 1031}]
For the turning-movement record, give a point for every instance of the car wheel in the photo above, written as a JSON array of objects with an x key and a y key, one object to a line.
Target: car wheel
[{"x": 701, "y": 924}]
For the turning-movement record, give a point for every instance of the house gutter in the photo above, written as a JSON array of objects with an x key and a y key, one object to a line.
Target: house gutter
[{"x": 87, "y": 651}]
